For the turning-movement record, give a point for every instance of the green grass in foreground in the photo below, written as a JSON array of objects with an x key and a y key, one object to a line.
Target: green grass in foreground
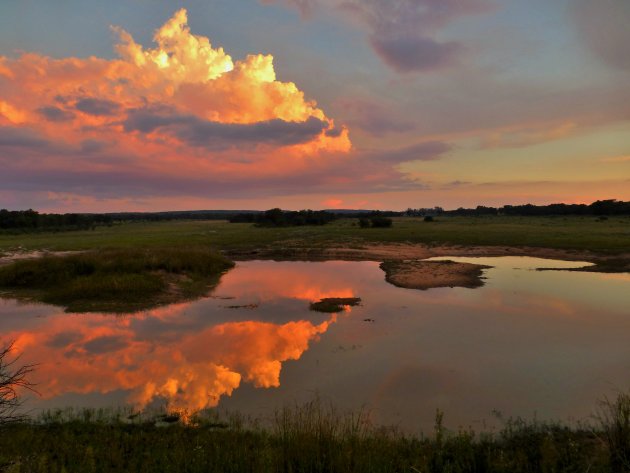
[
  {"x": 309, "y": 438},
  {"x": 577, "y": 233},
  {"x": 115, "y": 280}
]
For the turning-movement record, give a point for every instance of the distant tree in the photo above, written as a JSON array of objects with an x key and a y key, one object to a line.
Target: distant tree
[
  {"x": 429, "y": 218},
  {"x": 242, "y": 218},
  {"x": 364, "y": 222},
  {"x": 610, "y": 207},
  {"x": 282, "y": 218},
  {"x": 274, "y": 217},
  {"x": 12, "y": 379},
  {"x": 381, "y": 222}
]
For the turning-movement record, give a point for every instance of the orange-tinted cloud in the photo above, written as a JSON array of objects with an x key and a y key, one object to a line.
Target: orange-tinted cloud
[
  {"x": 333, "y": 203},
  {"x": 180, "y": 353},
  {"x": 95, "y": 353},
  {"x": 286, "y": 283},
  {"x": 183, "y": 117},
  {"x": 522, "y": 136},
  {"x": 616, "y": 159}
]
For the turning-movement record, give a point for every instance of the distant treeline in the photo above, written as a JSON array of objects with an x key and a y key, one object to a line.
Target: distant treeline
[
  {"x": 601, "y": 207},
  {"x": 178, "y": 215},
  {"x": 30, "y": 220},
  {"x": 282, "y": 218},
  {"x": 33, "y": 221}
]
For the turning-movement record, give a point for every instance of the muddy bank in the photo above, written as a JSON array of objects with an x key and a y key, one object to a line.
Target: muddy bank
[
  {"x": 404, "y": 267},
  {"x": 401, "y": 252},
  {"x": 408, "y": 251},
  {"x": 414, "y": 274}
]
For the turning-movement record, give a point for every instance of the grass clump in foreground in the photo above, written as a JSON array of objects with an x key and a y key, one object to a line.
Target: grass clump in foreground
[
  {"x": 614, "y": 417},
  {"x": 313, "y": 437},
  {"x": 115, "y": 280}
]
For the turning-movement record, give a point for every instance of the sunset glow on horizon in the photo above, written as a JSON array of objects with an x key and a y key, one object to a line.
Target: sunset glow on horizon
[{"x": 321, "y": 104}]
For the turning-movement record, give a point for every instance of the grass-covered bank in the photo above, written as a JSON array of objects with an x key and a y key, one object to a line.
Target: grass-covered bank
[
  {"x": 309, "y": 438},
  {"x": 115, "y": 280}
]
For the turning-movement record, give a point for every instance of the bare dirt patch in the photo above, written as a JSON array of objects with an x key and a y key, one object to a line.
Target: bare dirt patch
[
  {"x": 403, "y": 251},
  {"x": 12, "y": 256}
]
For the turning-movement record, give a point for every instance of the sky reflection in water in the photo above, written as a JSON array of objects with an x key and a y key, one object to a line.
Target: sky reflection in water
[{"x": 528, "y": 343}]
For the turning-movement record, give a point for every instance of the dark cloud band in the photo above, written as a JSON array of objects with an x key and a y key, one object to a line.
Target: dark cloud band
[{"x": 197, "y": 132}]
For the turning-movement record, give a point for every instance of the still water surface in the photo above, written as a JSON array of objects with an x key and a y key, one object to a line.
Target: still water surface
[{"x": 529, "y": 343}]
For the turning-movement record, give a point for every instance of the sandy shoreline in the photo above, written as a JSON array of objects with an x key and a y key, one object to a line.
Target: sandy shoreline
[
  {"x": 404, "y": 267},
  {"x": 409, "y": 251}
]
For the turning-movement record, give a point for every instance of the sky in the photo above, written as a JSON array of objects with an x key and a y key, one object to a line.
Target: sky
[{"x": 147, "y": 105}]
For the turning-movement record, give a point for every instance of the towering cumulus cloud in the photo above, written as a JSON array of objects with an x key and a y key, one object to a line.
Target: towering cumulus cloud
[{"x": 182, "y": 118}]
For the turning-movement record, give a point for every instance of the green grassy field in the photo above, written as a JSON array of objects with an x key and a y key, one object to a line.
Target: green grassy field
[{"x": 610, "y": 236}]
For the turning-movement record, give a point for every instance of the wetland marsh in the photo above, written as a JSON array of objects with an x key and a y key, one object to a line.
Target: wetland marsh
[
  {"x": 308, "y": 313},
  {"x": 528, "y": 343}
]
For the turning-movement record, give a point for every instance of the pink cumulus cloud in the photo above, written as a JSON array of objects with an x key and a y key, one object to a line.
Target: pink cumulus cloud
[{"x": 182, "y": 118}]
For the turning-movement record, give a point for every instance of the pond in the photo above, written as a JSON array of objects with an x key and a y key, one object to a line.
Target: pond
[{"x": 536, "y": 344}]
